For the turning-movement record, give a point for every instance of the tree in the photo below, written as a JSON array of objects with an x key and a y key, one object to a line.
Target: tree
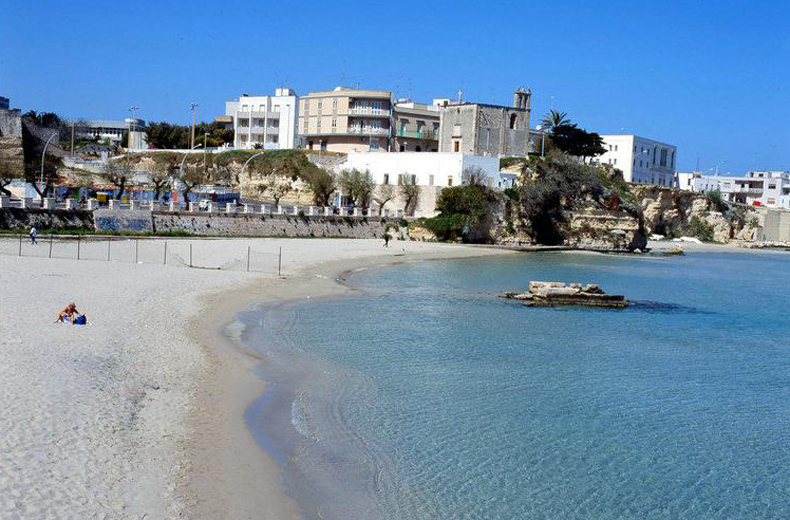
[
  {"x": 473, "y": 175},
  {"x": 410, "y": 192},
  {"x": 386, "y": 193},
  {"x": 277, "y": 188},
  {"x": 323, "y": 183},
  {"x": 191, "y": 176},
  {"x": 577, "y": 142},
  {"x": 10, "y": 170},
  {"x": 461, "y": 210},
  {"x": 553, "y": 119},
  {"x": 556, "y": 184},
  {"x": 358, "y": 186},
  {"x": 159, "y": 173},
  {"x": 118, "y": 173},
  {"x": 33, "y": 174}
]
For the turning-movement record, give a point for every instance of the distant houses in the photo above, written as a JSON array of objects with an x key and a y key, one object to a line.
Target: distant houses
[{"x": 770, "y": 189}]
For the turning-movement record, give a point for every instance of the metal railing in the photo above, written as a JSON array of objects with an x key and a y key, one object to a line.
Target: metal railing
[
  {"x": 367, "y": 111},
  {"x": 368, "y": 130}
]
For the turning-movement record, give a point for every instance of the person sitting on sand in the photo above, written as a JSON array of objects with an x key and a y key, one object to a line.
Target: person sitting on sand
[{"x": 68, "y": 314}]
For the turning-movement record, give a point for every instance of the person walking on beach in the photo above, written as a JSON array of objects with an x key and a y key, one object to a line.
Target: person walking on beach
[
  {"x": 33, "y": 233},
  {"x": 386, "y": 239}
]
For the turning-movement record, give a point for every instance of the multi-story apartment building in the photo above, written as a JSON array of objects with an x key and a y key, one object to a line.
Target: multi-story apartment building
[
  {"x": 346, "y": 120},
  {"x": 416, "y": 126},
  {"x": 758, "y": 188},
  {"x": 480, "y": 129},
  {"x": 267, "y": 122},
  {"x": 641, "y": 160}
]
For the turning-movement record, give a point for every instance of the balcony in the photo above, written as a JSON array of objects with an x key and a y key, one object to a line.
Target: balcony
[
  {"x": 367, "y": 111},
  {"x": 425, "y": 135},
  {"x": 368, "y": 130}
]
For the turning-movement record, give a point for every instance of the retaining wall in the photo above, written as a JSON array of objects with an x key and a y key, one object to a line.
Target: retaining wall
[
  {"x": 123, "y": 220},
  {"x": 241, "y": 224},
  {"x": 55, "y": 219}
]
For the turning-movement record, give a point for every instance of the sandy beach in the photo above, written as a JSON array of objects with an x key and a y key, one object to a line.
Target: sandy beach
[{"x": 140, "y": 414}]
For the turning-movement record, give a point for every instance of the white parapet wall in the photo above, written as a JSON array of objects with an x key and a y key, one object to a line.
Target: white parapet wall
[{"x": 432, "y": 171}]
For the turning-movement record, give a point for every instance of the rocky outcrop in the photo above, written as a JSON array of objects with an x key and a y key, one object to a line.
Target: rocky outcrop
[
  {"x": 672, "y": 213},
  {"x": 550, "y": 294},
  {"x": 603, "y": 230}
]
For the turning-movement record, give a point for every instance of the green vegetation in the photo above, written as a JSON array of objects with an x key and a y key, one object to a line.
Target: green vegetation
[
  {"x": 164, "y": 135},
  {"x": 461, "y": 209},
  {"x": 357, "y": 186},
  {"x": 700, "y": 229},
  {"x": 558, "y": 183}
]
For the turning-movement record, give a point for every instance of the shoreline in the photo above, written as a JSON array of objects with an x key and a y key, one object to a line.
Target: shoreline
[{"x": 234, "y": 476}]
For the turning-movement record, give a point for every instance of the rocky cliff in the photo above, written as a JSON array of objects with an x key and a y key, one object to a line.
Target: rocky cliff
[{"x": 673, "y": 213}]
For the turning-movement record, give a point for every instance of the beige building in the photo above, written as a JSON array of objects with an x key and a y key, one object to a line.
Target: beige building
[
  {"x": 416, "y": 126},
  {"x": 346, "y": 120}
]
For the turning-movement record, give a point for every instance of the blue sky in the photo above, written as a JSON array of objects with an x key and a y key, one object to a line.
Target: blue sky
[{"x": 711, "y": 77}]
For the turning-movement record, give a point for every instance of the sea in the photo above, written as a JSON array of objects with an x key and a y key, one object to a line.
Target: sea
[{"x": 424, "y": 395}]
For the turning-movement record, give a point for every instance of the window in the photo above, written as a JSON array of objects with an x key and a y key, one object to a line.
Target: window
[
  {"x": 420, "y": 126},
  {"x": 375, "y": 105},
  {"x": 615, "y": 161},
  {"x": 456, "y": 148},
  {"x": 615, "y": 148},
  {"x": 663, "y": 161},
  {"x": 512, "y": 121},
  {"x": 772, "y": 186},
  {"x": 403, "y": 124},
  {"x": 386, "y": 178},
  {"x": 430, "y": 180},
  {"x": 400, "y": 179},
  {"x": 334, "y": 123},
  {"x": 276, "y": 108},
  {"x": 450, "y": 180},
  {"x": 374, "y": 145},
  {"x": 402, "y": 147},
  {"x": 320, "y": 104},
  {"x": 334, "y": 103},
  {"x": 306, "y": 105},
  {"x": 244, "y": 108}
]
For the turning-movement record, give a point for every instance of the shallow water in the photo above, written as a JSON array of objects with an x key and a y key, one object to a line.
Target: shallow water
[{"x": 426, "y": 396}]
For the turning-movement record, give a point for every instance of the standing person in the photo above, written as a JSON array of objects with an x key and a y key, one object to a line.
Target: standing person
[
  {"x": 33, "y": 233},
  {"x": 386, "y": 239}
]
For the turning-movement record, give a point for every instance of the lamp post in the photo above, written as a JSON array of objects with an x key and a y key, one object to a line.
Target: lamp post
[
  {"x": 243, "y": 167},
  {"x": 43, "y": 154},
  {"x": 192, "y": 106},
  {"x": 542, "y": 131},
  {"x": 132, "y": 121}
]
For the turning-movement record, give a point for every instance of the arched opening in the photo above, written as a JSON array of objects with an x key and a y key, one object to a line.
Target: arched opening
[
  {"x": 417, "y": 149},
  {"x": 512, "y": 121}
]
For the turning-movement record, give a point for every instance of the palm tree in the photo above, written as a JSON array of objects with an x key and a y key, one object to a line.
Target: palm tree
[{"x": 553, "y": 119}]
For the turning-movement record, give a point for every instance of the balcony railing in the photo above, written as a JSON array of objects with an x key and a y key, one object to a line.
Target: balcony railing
[
  {"x": 368, "y": 130},
  {"x": 427, "y": 135},
  {"x": 367, "y": 111}
]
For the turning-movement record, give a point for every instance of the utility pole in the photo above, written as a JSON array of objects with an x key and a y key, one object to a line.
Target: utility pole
[
  {"x": 192, "y": 106},
  {"x": 133, "y": 110},
  {"x": 72, "y": 138}
]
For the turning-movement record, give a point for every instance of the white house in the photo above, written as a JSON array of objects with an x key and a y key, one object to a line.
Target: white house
[
  {"x": 641, "y": 160},
  {"x": 757, "y": 188},
  {"x": 267, "y": 122},
  {"x": 432, "y": 171},
  {"x": 440, "y": 169}
]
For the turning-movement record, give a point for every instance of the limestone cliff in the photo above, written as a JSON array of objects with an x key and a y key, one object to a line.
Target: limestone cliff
[{"x": 673, "y": 213}]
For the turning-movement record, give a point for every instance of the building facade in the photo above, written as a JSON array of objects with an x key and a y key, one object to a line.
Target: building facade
[
  {"x": 770, "y": 189},
  {"x": 415, "y": 127},
  {"x": 113, "y": 130},
  {"x": 490, "y": 130},
  {"x": 642, "y": 161},
  {"x": 346, "y": 120},
  {"x": 430, "y": 171},
  {"x": 267, "y": 122}
]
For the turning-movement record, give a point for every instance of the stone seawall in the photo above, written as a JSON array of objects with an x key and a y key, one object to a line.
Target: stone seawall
[
  {"x": 241, "y": 224},
  {"x": 55, "y": 219}
]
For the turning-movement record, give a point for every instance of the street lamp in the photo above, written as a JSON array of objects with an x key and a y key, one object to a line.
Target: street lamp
[
  {"x": 241, "y": 175},
  {"x": 193, "y": 106},
  {"x": 43, "y": 153},
  {"x": 133, "y": 109},
  {"x": 542, "y": 131}
]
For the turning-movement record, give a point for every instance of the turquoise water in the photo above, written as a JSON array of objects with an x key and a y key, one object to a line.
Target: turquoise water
[{"x": 425, "y": 396}]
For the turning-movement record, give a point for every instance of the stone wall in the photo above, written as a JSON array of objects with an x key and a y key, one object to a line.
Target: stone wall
[
  {"x": 61, "y": 220},
  {"x": 241, "y": 224},
  {"x": 139, "y": 221}
]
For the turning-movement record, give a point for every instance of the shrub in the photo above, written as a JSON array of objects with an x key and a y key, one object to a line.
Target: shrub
[{"x": 700, "y": 229}]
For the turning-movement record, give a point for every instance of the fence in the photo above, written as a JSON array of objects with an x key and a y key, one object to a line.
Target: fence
[{"x": 236, "y": 255}]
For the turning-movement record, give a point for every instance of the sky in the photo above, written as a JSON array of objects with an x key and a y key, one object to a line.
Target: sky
[{"x": 711, "y": 77}]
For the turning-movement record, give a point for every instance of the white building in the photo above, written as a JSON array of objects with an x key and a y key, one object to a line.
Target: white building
[
  {"x": 764, "y": 188},
  {"x": 642, "y": 161},
  {"x": 113, "y": 130},
  {"x": 267, "y": 122},
  {"x": 431, "y": 171},
  {"x": 440, "y": 169}
]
